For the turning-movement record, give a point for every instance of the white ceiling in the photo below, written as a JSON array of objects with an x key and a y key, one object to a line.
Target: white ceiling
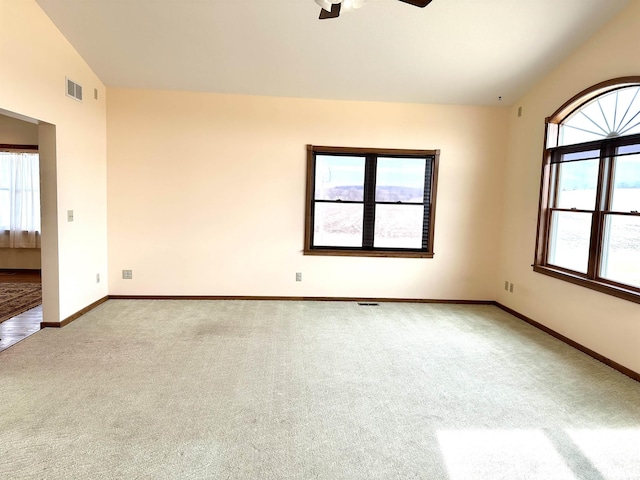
[{"x": 452, "y": 51}]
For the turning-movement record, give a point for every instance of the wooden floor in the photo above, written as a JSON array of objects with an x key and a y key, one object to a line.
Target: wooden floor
[
  {"x": 20, "y": 276},
  {"x": 21, "y": 326}
]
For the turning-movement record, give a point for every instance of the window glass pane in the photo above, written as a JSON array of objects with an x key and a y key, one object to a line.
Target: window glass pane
[
  {"x": 577, "y": 185},
  {"x": 398, "y": 226},
  {"x": 571, "y": 135},
  {"x": 628, "y": 149},
  {"x": 339, "y": 178},
  {"x": 5, "y": 182},
  {"x": 5, "y": 170},
  {"x": 621, "y": 250},
  {"x": 569, "y": 240},
  {"x": 400, "y": 180},
  {"x": 583, "y": 155},
  {"x": 626, "y": 184},
  {"x": 19, "y": 191},
  {"x": 337, "y": 225},
  {"x": 613, "y": 114},
  {"x": 4, "y": 210}
]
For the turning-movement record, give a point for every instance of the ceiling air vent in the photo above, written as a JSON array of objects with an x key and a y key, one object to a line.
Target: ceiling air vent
[{"x": 74, "y": 90}]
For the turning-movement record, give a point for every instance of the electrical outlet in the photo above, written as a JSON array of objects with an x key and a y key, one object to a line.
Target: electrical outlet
[
  {"x": 97, "y": 278},
  {"x": 127, "y": 274},
  {"x": 298, "y": 276},
  {"x": 511, "y": 288},
  {"x": 506, "y": 285}
]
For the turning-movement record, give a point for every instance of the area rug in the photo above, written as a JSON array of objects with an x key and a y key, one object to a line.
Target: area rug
[{"x": 16, "y": 298}]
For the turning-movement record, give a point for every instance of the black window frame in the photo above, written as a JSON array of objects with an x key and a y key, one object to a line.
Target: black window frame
[
  {"x": 371, "y": 155},
  {"x": 552, "y": 159}
]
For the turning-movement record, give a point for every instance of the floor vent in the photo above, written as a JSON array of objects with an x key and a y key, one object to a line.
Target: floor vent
[
  {"x": 74, "y": 90},
  {"x": 367, "y": 304}
]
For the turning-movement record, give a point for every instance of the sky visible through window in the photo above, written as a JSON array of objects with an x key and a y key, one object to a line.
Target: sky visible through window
[
  {"x": 342, "y": 178},
  {"x": 571, "y": 231}
]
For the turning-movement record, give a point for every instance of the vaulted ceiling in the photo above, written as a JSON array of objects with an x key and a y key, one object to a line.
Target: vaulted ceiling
[{"x": 452, "y": 51}]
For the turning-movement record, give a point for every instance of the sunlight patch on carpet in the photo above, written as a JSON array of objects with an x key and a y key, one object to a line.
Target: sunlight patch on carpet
[
  {"x": 611, "y": 451},
  {"x": 501, "y": 454}
]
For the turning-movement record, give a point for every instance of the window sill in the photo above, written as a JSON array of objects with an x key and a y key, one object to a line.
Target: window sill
[
  {"x": 366, "y": 253},
  {"x": 602, "y": 287}
]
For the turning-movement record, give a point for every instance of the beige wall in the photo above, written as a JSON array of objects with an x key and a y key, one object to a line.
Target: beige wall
[
  {"x": 72, "y": 138},
  {"x": 20, "y": 258},
  {"x": 19, "y": 132},
  {"x": 206, "y": 195},
  {"x": 603, "y": 323}
]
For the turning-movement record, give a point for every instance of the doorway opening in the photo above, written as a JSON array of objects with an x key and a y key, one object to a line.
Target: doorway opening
[{"x": 28, "y": 227}]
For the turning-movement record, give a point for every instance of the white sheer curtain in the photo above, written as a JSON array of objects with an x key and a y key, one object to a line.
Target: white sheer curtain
[{"x": 19, "y": 200}]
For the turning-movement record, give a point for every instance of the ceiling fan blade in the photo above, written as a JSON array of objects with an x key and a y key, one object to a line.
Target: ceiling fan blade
[
  {"x": 326, "y": 4},
  {"x": 334, "y": 13},
  {"x": 417, "y": 3}
]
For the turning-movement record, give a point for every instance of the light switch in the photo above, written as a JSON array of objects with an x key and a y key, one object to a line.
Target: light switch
[{"x": 69, "y": 215}]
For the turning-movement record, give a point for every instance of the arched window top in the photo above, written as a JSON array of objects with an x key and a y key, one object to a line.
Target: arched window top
[
  {"x": 612, "y": 114},
  {"x": 589, "y": 217}
]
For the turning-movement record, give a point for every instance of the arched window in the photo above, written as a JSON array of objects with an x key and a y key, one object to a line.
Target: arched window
[{"x": 589, "y": 220}]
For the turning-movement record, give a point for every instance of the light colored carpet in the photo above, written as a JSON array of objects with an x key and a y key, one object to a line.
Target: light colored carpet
[
  {"x": 310, "y": 390},
  {"x": 16, "y": 298}
]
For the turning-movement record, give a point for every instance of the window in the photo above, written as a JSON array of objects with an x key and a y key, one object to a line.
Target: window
[
  {"x": 19, "y": 199},
  {"x": 370, "y": 202},
  {"x": 589, "y": 220}
]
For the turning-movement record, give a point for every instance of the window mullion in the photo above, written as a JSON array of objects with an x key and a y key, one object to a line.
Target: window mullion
[
  {"x": 553, "y": 192},
  {"x": 369, "y": 216},
  {"x": 603, "y": 197},
  {"x": 607, "y": 182},
  {"x": 606, "y": 207}
]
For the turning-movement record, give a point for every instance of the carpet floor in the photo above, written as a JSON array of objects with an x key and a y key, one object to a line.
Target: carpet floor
[
  {"x": 16, "y": 298},
  {"x": 310, "y": 390}
]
